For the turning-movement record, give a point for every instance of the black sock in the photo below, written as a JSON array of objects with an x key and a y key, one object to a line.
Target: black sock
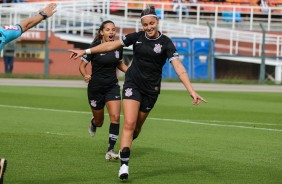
[
  {"x": 113, "y": 135},
  {"x": 124, "y": 156}
]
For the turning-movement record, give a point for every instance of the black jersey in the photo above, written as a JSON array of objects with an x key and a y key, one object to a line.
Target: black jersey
[
  {"x": 149, "y": 56},
  {"x": 103, "y": 66}
]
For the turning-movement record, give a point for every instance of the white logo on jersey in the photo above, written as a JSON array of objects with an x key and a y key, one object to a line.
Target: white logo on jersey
[
  {"x": 11, "y": 27},
  {"x": 117, "y": 54},
  {"x": 138, "y": 42},
  {"x": 124, "y": 37},
  {"x": 158, "y": 48},
  {"x": 93, "y": 103},
  {"x": 128, "y": 92},
  {"x": 102, "y": 54}
]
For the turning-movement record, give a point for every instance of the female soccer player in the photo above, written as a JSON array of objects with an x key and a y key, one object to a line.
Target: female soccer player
[
  {"x": 103, "y": 88},
  {"x": 141, "y": 88}
]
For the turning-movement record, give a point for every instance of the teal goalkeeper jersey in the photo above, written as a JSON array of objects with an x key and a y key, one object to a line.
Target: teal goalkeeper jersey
[{"x": 9, "y": 33}]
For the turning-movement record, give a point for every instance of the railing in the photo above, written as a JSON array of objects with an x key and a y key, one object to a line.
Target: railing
[
  {"x": 242, "y": 17},
  {"x": 83, "y": 18}
]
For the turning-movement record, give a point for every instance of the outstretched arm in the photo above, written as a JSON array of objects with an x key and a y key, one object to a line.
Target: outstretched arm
[
  {"x": 183, "y": 76},
  {"x": 102, "y": 48},
  {"x": 48, "y": 11}
]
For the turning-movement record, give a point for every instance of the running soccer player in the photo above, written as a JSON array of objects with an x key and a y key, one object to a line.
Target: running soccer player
[
  {"x": 103, "y": 87},
  {"x": 12, "y": 32},
  {"x": 142, "y": 83}
]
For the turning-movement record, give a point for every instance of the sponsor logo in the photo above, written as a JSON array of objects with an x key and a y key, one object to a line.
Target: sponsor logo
[
  {"x": 148, "y": 108},
  {"x": 11, "y": 28},
  {"x": 138, "y": 42},
  {"x": 117, "y": 96},
  {"x": 128, "y": 92},
  {"x": 158, "y": 48},
  {"x": 102, "y": 54}
]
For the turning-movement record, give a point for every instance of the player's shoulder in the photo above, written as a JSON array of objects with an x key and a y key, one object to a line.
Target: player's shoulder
[
  {"x": 164, "y": 37},
  {"x": 137, "y": 34}
]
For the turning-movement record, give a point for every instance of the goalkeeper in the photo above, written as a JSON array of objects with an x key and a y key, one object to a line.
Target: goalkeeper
[{"x": 12, "y": 32}]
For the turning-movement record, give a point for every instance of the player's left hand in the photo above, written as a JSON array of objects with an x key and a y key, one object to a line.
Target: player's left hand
[
  {"x": 76, "y": 53},
  {"x": 87, "y": 78},
  {"x": 197, "y": 98}
]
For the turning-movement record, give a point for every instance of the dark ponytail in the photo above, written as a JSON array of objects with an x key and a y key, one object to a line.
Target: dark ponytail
[{"x": 102, "y": 26}]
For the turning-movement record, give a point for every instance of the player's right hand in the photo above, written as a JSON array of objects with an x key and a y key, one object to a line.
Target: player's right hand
[{"x": 76, "y": 53}]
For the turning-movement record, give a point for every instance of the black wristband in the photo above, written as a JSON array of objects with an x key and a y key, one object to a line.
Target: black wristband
[{"x": 43, "y": 14}]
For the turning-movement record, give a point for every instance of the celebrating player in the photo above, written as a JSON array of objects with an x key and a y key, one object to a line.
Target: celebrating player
[
  {"x": 142, "y": 83},
  {"x": 103, "y": 87},
  {"x": 12, "y": 32}
]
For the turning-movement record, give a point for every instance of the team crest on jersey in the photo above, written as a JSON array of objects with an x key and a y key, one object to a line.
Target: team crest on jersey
[
  {"x": 11, "y": 27},
  {"x": 158, "y": 48},
  {"x": 128, "y": 92},
  {"x": 93, "y": 103},
  {"x": 117, "y": 54}
]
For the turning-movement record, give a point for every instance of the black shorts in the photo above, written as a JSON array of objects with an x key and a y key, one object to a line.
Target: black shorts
[
  {"x": 147, "y": 102},
  {"x": 97, "y": 98}
]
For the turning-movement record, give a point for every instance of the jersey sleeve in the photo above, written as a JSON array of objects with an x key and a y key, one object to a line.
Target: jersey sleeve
[
  {"x": 87, "y": 58},
  {"x": 12, "y": 32},
  {"x": 171, "y": 51},
  {"x": 129, "y": 39}
]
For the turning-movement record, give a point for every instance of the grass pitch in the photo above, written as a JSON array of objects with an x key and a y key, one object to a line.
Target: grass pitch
[{"x": 234, "y": 138}]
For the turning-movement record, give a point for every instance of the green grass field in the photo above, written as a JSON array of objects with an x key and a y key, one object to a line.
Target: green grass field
[{"x": 236, "y": 138}]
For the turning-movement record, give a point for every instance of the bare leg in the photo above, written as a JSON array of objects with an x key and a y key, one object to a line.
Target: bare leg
[
  {"x": 130, "y": 110},
  {"x": 114, "y": 111}
]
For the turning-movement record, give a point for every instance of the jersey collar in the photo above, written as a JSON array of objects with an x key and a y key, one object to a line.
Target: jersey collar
[{"x": 153, "y": 38}]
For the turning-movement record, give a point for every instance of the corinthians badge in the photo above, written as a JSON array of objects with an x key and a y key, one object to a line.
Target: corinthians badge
[{"x": 158, "y": 48}]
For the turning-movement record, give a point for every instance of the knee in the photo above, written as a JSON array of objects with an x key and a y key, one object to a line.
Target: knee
[
  {"x": 129, "y": 125},
  {"x": 114, "y": 117},
  {"x": 98, "y": 123}
]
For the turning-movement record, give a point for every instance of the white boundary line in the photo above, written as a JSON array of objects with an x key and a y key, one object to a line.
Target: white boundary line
[{"x": 159, "y": 119}]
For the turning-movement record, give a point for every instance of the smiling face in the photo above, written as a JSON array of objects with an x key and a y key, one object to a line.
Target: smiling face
[
  {"x": 108, "y": 32},
  {"x": 150, "y": 26}
]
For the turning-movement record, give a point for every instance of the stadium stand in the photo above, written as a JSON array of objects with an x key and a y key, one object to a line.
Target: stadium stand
[{"x": 233, "y": 37}]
